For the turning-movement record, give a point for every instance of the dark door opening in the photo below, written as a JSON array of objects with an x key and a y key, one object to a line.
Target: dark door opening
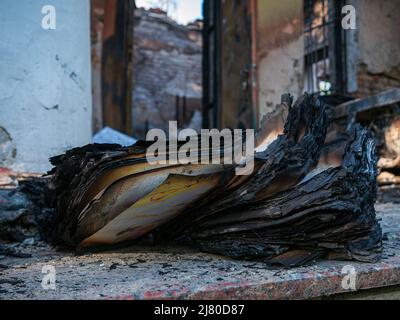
[{"x": 146, "y": 65}]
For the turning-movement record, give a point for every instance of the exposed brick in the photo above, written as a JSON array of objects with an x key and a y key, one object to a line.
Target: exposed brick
[
  {"x": 167, "y": 64},
  {"x": 373, "y": 83}
]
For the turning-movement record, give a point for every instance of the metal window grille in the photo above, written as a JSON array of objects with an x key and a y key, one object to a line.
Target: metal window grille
[{"x": 324, "y": 38}]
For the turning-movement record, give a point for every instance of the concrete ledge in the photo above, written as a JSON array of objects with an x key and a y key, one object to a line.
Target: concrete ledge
[
  {"x": 383, "y": 99},
  {"x": 176, "y": 273}
]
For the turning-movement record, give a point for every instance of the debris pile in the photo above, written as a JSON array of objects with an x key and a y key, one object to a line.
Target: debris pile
[
  {"x": 304, "y": 199},
  {"x": 25, "y": 216},
  {"x": 381, "y": 114}
]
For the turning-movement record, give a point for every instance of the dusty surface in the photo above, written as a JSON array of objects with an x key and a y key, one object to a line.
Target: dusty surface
[{"x": 177, "y": 273}]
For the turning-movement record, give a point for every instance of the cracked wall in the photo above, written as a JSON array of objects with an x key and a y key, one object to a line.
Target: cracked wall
[{"x": 45, "y": 89}]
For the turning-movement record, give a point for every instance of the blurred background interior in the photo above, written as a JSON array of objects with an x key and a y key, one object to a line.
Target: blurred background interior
[{"x": 113, "y": 69}]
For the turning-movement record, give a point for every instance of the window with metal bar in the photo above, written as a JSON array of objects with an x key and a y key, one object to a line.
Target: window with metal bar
[{"x": 324, "y": 47}]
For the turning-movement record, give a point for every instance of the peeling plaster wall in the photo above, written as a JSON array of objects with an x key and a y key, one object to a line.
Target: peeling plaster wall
[
  {"x": 45, "y": 89},
  {"x": 378, "y": 46},
  {"x": 379, "y": 34},
  {"x": 373, "y": 49},
  {"x": 280, "y": 50}
]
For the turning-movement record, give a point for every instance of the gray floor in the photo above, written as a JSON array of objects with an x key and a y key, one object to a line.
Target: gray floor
[{"x": 177, "y": 273}]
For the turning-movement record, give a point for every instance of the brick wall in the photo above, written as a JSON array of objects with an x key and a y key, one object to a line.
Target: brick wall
[
  {"x": 370, "y": 83},
  {"x": 168, "y": 65}
]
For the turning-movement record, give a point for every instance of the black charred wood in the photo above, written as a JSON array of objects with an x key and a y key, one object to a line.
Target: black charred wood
[{"x": 331, "y": 214}]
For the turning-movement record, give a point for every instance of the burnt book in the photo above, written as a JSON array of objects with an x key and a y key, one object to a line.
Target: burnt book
[{"x": 303, "y": 200}]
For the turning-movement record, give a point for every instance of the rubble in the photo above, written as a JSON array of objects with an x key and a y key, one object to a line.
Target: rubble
[
  {"x": 109, "y": 135},
  {"x": 381, "y": 114},
  {"x": 25, "y": 217}
]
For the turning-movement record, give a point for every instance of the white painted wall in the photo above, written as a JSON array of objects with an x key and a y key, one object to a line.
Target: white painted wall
[{"x": 45, "y": 80}]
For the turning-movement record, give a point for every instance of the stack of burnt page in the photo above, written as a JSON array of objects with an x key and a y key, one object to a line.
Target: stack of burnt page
[{"x": 304, "y": 199}]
